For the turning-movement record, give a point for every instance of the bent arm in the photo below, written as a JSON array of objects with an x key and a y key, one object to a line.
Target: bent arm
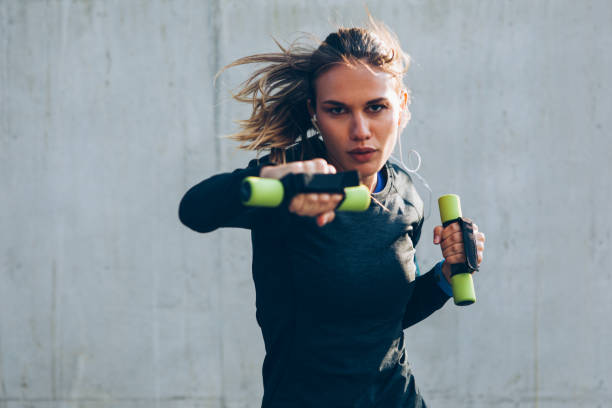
[
  {"x": 427, "y": 297},
  {"x": 215, "y": 202}
]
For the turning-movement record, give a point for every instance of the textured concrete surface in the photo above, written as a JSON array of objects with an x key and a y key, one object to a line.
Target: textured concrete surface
[{"x": 108, "y": 114}]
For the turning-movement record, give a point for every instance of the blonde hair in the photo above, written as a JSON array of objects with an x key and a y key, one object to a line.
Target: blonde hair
[{"x": 280, "y": 90}]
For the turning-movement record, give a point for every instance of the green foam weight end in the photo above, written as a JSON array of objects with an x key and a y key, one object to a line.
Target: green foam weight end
[
  {"x": 261, "y": 192},
  {"x": 450, "y": 207},
  {"x": 463, "y": 289},
  {"x": 357, "y": 199}
]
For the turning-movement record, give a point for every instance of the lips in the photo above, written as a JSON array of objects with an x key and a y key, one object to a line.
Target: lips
[{"x": 362, "y": 154}]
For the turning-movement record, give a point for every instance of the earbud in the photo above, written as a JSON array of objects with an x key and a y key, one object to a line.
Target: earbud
[{"x": 315, "y": 123}]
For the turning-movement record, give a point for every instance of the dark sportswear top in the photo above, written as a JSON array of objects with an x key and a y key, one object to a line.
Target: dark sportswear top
[{"x": 332, "y": 301}]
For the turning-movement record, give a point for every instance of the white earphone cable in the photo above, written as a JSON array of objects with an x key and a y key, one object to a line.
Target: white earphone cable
[{"x": 414, "y": 171}]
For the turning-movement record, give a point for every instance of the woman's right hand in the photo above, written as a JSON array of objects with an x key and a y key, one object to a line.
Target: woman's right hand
[{"x": 319, "y": 205}]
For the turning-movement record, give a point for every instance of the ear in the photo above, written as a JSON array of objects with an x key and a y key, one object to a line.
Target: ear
[
  {"x": 404, "y": 112},
  {"x": 404, "y": 98},
  {"x": 311, "y": 110}
]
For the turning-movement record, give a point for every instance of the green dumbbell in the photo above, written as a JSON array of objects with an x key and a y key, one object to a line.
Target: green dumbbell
[
  {"x": 266, "y": 192},
  {"x": 461, "y": 276}
]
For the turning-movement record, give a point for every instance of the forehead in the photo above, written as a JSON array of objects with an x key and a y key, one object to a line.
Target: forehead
[{"x": 355, "y": 83}]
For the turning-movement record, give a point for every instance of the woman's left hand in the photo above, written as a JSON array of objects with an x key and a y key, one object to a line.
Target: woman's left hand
[{"x": 451, "y": 243}]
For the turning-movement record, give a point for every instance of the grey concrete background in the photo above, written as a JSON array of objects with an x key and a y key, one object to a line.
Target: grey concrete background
[{"x": 108, "y": 114}]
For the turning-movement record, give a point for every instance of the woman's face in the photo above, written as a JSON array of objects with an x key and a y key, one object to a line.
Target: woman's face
[{"x": 359, "y": 114}]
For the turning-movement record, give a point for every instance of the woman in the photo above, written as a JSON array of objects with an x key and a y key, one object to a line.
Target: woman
[{"x": 334, "y": 291}]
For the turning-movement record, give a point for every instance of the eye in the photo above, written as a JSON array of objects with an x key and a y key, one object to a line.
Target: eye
[
  {"x": 336, "y": 110},
  {"x": 377, "y": 107}
]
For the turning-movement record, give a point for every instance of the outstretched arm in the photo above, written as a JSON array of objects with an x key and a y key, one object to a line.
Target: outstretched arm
[{"x": 215, "y": 202}]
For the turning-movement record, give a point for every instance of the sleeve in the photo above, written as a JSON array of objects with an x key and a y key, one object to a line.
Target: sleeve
[
  {"x": 427, "y": 297},
  {"x": 215, "y": 202},
  {"x": 441, "y": 279}
]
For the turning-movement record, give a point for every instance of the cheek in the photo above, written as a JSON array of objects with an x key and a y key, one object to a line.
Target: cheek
[
  {"x": 388, "y": 129},
  {"x": 390, "y": 144},
  {"x": 333, "y": 133}
]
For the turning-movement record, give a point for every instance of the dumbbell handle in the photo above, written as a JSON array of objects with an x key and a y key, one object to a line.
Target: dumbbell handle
[
  {"x": 267, "y": 192},
  {"x": 461, "y": 281}
]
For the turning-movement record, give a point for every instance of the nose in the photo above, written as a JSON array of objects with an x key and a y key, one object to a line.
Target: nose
[{"x": 360, "y": 127}]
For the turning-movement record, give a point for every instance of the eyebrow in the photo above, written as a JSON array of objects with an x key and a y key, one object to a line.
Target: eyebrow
[{"x": 377, "y": 100}]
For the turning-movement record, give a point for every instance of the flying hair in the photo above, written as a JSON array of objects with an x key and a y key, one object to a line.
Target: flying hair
[{"x": 279, "y": 90}]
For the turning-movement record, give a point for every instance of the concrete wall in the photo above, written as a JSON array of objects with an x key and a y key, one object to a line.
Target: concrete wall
[{"x": 108, "y": 114}]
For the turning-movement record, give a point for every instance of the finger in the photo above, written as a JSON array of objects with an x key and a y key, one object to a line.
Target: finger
[
  {"x": 336, "y": 198},
  {"x": 316, "y": 204},
  {"x": 331, "y": 168},
  {"x": 480, "y": 248},
  {"x": 437, "y": 234},
  {"x": 329, "y": 205},
  {"x": 308, "y": 166},
  {"x": 320, "y": 202},
  {"x": 450, "y": 229},
  {"x": 319, "y": 166},
  {"x": 297, "y": 203},
  {"x": 481, "y": 237},
  {"x": 325, "y": 218},
  {"x": 455, "y": 249},
  {"x": 305, "y": 204},
  {"x": 311, "y": 204},
  {"x": 300, "y": 167},
  {"x": 296, "y": 168},
  {"x": 453, "y": 238}
]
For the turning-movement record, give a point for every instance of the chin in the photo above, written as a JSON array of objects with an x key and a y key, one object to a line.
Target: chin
[
  {"x": 368, "y": 169},
  {"x": 365, "y": 169}
]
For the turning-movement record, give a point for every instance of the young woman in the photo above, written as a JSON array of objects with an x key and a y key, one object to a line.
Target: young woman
[{"x": 334, "y": 290}]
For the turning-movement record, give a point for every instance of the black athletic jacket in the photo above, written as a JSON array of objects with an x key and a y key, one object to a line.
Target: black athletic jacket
[{"x": 332, "y": 301}]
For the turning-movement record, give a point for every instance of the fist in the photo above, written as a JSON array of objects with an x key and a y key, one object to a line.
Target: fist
[
  {"x": 451, "y": 244},
  {"x": 319, "y": 205}
]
